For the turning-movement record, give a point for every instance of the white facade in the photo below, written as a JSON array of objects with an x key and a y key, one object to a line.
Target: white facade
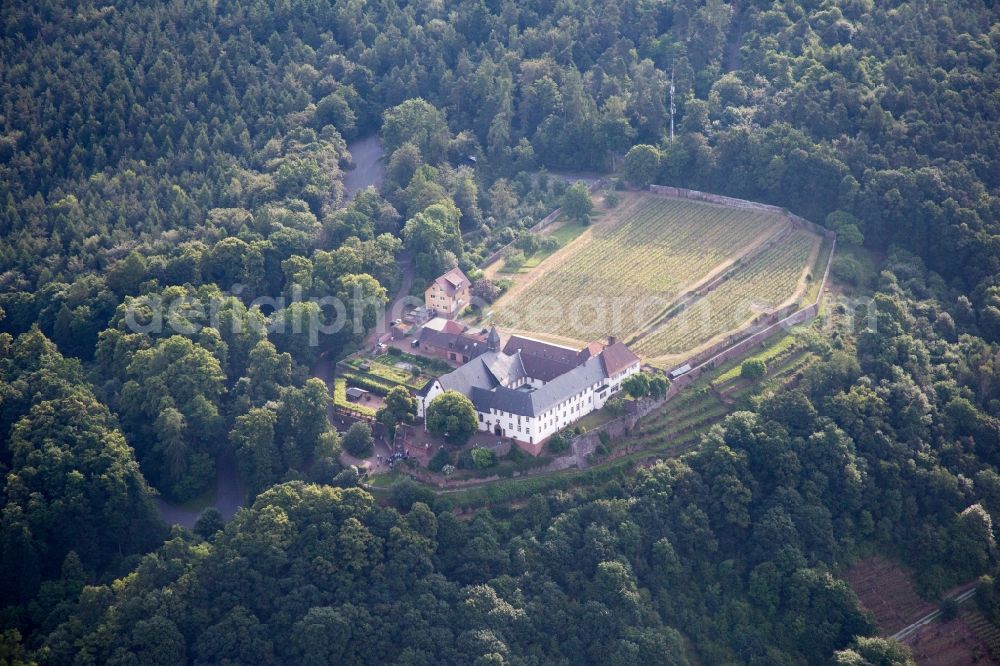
[{"x": 555, "y": 416}]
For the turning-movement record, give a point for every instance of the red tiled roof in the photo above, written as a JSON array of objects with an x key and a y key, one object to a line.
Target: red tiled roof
[
  {"x": 453, "y": 327},
  {"x": 616, "y": 357},
  {"x": 453, "y": 280}
]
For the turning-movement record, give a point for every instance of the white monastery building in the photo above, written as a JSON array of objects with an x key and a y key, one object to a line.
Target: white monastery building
[{"x": 530, "y": 390}]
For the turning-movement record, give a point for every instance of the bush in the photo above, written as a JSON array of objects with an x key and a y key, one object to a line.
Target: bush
[
  {"x": 346, "y": 478},
  {"x": 515, "y": 454},
  {"x": 440, "y": 459},
  {"x": 847, "y": 269},
  {"x": 577, "y": 204},
  {"x": 483, "y": 458},
  {"x": 753, "y": 368},
  {"x": 615, "y": 406},
  {"x": 406, "y": 492},
  {"x": 558, "y": 443},
  {"x": 437, "y": 365},
  {"x": 369, "y": 383},
  {"x": 513, "y": 259},
  {"x": 604, "y": 437},
  {"x": 528, "y": 243},
  {"x": 549, "y": 244},
  {"x": 209, "y": 522},
  {"x": 465, "y": 460},
  {"x": 611, "y": 200}
]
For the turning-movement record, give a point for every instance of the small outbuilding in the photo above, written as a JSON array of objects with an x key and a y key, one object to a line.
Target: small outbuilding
[
  {"x": 683, "y": 370},
  {"x": 354, "y": 393}
]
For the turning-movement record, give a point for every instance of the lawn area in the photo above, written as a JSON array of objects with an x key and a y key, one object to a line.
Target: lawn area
[
  {"x": 784, "y": 344},
  {"x": 819, "y": 267},
  {"x": 340, "y": 399},
  {"x": 595, "y": 418},
  {"x": 385, "y": 479},
  {"x": 430, "y": 365},
  {"x": 565, "y": 234},
  {"x": 634, "y": 262}
]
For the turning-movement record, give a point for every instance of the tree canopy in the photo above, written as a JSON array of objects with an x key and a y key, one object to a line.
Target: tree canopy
[
  {"x": 174, "y": 220},
  {"x": 451, "y": 415}
]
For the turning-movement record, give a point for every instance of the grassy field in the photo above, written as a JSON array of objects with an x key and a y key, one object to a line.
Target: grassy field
[
  {"x": 565, "y": 233},
  {"x": 340, "y": 399},
  {"x": 626, "y": 269},
  {"x": 765, "y": 283}
]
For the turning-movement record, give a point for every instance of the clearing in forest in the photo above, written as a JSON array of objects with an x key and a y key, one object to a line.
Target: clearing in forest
[
  {"x": 885, "y": 588},
  {"x": 624, "y": 274}
]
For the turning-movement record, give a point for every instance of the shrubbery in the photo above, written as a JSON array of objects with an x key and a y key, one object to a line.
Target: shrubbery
[
  {"x": 483, "y": 458},
  {"x": 753, "y": 368},
  {"x": 559, "y": 442},
  {"x": 440, "y": 459}
]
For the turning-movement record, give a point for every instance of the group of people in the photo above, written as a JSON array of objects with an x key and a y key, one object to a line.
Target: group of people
[{"x": 391, "y": 460}]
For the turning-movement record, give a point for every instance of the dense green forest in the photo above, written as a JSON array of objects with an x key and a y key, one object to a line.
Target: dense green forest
[{"x": 154, "y": 155}]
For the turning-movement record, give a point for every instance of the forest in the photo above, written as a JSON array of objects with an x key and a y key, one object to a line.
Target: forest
[{"x": 155, "y": 155}]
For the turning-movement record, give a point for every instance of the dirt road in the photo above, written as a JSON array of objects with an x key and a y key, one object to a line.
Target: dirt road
[{"x": 228, "y": 496}]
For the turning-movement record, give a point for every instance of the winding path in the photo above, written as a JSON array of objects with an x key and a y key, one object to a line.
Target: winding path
[
  {"x": 228, "y": 495},
  {"x": 908, "y": 631}
]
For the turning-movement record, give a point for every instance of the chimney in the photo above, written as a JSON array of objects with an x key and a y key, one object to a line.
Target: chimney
[{"x": 612, "y": 340}]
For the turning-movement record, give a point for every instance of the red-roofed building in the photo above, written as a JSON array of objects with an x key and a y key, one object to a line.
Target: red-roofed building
[
  {"x": 451, "y": 340},
  {"x": 618, "y": 360},
  {"x": 448, "y": 294}
]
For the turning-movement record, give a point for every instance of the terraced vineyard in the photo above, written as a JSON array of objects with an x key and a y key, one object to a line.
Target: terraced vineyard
[
  {"x": 683, "y": 420},
  {"x": 631, "y": 267},
  {"x": 767, "y": 281},
  {"x": 985, "y": 631},
  {"x": 680, "y": 424}
]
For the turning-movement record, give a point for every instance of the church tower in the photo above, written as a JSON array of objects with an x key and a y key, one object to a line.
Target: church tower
[{"x": 493, "y": 341}]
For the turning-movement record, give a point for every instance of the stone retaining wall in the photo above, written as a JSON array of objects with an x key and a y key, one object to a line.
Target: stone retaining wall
[{"x": 695, "y": 195}]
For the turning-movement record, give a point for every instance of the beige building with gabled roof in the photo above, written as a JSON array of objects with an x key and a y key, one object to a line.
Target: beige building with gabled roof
[{"x": 448, "y": 294}]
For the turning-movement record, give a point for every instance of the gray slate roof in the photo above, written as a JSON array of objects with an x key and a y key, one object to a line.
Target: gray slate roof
[
  {"x": 486, "y": 393},
  {"x": 473, "y": 373},
  {"x": 464, "y": 343},
  {"x": 504, "y": 369},
  {"x": 578, "y": 379},
  {"x": 485, "y": 379}
]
